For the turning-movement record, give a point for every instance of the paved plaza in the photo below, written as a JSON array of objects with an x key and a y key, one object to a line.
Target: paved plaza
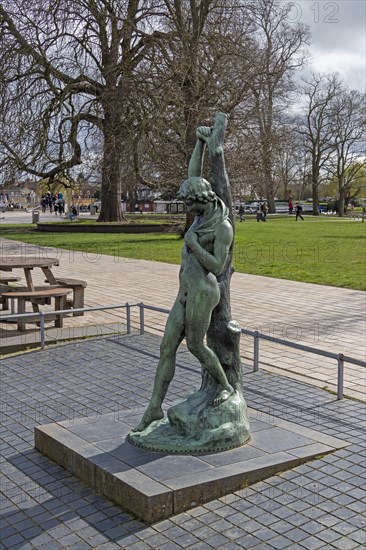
[{"x": 321, "y": 504}]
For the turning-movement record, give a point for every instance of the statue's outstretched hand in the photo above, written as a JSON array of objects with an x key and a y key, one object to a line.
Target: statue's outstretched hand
[{"x": 203, "y": 132}]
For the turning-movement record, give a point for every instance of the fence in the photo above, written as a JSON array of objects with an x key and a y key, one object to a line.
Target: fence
[{"x": 257, "y": 336}]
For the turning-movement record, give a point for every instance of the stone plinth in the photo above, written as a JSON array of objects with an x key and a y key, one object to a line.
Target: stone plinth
[{"x": 155, "y": 486}]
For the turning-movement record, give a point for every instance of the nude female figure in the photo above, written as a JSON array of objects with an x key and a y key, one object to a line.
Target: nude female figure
[{"x": 204, "y": 257}]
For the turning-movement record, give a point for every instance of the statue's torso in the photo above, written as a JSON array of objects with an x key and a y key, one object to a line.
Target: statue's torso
[{"x": 193, "y": 275}]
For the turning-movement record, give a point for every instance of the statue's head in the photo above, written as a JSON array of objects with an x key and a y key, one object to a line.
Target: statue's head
[{"x": 196, "y": 189}]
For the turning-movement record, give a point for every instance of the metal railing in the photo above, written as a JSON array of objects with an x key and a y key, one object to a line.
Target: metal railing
[
  {"x": 339, "y": 357},
  {"x": 67, "y": 312},
  {"x": 257, "y": 336}
]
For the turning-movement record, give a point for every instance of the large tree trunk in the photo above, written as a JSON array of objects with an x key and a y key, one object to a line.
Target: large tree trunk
[
  {"x": 268, "y": 179},
  {"x": 111, "y": 210},
  {"x": 342, "y": 202},
  {"x": 270, "y": 200},
  {"x": 315, "y": 198}
]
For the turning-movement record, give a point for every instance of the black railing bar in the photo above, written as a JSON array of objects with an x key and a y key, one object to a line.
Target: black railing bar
[
  {"x": 64, "y": 311},
  {"x": 141, "y": 305},
  {"x": 358, "y": 362},
  {"x": 154, "y": 308},
  {"x": 301, "y": 347}
]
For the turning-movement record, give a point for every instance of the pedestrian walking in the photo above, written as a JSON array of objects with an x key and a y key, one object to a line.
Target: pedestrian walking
[
  {"x": 298, "y": 211},
  {"x": 259, "y": 214},
  {"x": 264, "y": 210},
  {"x": 241, "y": 213}
]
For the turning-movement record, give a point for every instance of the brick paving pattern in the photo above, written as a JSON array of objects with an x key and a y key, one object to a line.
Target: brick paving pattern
[{"x": 321, "y": 504}]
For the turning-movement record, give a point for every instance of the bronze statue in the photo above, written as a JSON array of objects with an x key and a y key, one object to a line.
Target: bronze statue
[{"x": 206, "y": 257}]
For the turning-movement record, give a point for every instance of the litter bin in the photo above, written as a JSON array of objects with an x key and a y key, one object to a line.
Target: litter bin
[
  {"x": 35, "y": 216},
  {"x": 92, "y": 210}
]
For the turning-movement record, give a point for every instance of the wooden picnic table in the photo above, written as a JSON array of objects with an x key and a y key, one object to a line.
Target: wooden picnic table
[
  {"x": 41, "y": 295},
  {"x": 28, "y": 263}
]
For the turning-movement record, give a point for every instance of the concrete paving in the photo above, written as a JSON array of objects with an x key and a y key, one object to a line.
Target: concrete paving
[
  {"x": 320, "y": 504},
  {"x": 322, "y": 317}
]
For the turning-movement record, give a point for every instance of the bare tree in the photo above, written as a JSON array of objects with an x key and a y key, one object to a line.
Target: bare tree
[
  {"x": 196, "y": 72},
  {"x": 71, "y": 68},
  {"x": 135, "y": 78},
  {"x": 316, "y": 128},
  {"x": 348, "y": 127},
  {"x": 279, "y": 52},
  {"x": 289, "y": 161}
]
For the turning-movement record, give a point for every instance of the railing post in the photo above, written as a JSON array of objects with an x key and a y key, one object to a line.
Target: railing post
[
  {"x": 128, "y": 317},
  {"x": 340, "y": 376},
  {"x": 41, "y": 329},
  {"x": 142, "y": 318},
  {"x": 256, "y": 352}
]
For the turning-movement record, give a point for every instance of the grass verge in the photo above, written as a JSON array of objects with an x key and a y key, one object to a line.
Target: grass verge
[{"x": 318, "y": 250}]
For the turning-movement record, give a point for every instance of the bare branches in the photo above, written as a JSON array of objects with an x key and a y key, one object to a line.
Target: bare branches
[
  {"x": 125, "y": 84},
  {"x": 348, "y": 131}
]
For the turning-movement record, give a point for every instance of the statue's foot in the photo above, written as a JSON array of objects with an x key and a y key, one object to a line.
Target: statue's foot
[
  {"x": 222, "y": 396},
  {"x": 151, "y": 414}
]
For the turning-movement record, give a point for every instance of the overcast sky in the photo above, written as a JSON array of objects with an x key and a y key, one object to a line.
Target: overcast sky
[{"x": 338, "y": 35}]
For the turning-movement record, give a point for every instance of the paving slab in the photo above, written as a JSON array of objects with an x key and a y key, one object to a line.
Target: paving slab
[{"x": 156, "y": 486}]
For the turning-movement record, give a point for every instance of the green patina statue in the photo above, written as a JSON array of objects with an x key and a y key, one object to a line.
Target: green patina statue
[{"x": 213, "y": 417}]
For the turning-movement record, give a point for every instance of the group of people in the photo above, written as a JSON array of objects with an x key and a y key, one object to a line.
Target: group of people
[
  {"x": 54, "y": 201},
  {"x": 7, "y": 201},
  {"x": 262, "y": 210}
]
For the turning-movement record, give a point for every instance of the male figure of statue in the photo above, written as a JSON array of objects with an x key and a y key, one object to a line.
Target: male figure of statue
[{"x": 204, "y": 257}]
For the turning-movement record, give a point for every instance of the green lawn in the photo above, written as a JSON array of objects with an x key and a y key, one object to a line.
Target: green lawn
[{"x": 319, "y": 250}]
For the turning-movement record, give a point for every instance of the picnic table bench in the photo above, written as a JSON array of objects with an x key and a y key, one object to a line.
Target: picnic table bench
[
  {"x": 77, "y": 286},
  {"x": 4, "y": 287},
  {"x": 8, "y": 278},
  {"x": 36, "y": 297},
  {"x": 57, "y": 288}
]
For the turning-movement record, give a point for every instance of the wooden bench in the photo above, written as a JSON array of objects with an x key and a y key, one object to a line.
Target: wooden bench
[
  {"x": 40, "y": 301},
  {"x": 6, "y": 279},
  {"x": 4, "y": 287},
  {"x": 77, "y": 286},
  {"x": 37, "y": 296}
]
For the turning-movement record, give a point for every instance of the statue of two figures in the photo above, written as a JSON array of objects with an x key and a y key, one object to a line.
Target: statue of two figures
[{"x": 214, "y": 417}]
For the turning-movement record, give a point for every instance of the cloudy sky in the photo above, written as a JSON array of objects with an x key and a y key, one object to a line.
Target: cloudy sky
[{"x": 338, "y": 34}]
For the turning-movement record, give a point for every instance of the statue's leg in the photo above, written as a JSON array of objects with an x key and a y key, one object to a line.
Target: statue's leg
[
  {"x": 173, "y": 336},
  {"x": 199, "y": 307}
]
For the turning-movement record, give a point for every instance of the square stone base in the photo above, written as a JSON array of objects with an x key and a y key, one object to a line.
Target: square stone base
[{"x": 155, "y": 486}]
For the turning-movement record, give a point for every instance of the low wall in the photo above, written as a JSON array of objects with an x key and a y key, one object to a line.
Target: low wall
[{"x": 74, "y": 227}]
